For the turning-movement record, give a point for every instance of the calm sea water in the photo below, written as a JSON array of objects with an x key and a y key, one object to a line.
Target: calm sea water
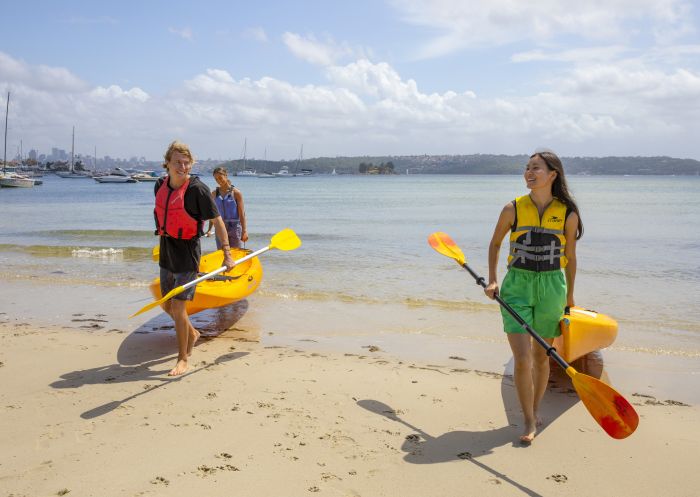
[{"x": 364, "y": 242}]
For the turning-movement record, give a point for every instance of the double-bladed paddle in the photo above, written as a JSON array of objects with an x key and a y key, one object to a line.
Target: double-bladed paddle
[
  {"x": 610, "y": 409},
  {"x": 284, "y": 240}
]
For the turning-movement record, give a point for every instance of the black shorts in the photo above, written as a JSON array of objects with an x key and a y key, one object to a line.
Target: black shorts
[{"x": 170, "y": 280}]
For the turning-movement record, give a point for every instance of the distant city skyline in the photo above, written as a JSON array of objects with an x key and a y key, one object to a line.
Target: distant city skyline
[{"x": 384, "y": 78}]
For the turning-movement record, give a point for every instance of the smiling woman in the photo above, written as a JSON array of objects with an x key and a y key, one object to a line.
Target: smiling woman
[{"x": 544, "y": 227}]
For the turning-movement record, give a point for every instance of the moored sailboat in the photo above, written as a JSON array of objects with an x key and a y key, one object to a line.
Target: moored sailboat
[
  {"x": 9, "y": 177},
  {"x": 72, "y": 173}
]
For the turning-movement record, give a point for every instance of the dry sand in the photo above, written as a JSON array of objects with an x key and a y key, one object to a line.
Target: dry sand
[{"x": 89, "y": 410}]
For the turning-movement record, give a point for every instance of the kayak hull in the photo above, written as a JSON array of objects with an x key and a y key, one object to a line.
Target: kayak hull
[
  {"x": 582, "y": 332},
  {"x": 225, "y": 288}
]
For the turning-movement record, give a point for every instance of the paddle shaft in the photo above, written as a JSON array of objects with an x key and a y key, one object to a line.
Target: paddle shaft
[
  {"x": 551, "y": 351},
  {"x": 223, "y": 268}
]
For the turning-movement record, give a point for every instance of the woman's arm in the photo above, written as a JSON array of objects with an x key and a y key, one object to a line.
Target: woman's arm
[
  {"x": 241, "y": 213},
  {"x": 570, "y": 229},
  {"x": 222, "y": 236},
  {"x": 504, "y": 224}
]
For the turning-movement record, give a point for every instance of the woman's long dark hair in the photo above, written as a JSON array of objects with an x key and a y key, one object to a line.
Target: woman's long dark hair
[{"x": 560, "y": 189}]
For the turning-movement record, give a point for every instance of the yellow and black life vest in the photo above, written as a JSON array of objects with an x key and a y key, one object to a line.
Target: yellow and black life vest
[{"x": 538, "y": 244}]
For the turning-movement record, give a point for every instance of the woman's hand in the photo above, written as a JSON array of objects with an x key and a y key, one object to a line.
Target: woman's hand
[
  {"x": 244, "y": 235},
  {"x": 491, "y": 290}
]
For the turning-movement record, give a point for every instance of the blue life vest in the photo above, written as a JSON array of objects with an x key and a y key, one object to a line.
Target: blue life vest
[{"x": 228, "y": 208}]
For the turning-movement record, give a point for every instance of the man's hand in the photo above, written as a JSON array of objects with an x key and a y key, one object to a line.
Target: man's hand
[{"x": 228, "y": 260}]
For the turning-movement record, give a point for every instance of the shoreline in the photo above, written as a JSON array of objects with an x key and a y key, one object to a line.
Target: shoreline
[
  {"x": 336, "y": 327},
  {"x": 101, "y": 417}
]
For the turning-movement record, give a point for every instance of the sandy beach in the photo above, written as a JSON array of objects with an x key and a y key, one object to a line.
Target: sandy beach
[{"x": 88, "y": 409}]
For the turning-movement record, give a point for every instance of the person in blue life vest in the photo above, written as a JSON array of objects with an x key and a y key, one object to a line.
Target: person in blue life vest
[
  {"x": 229, "y": 202},
  {"x": 544, "y": 227},
  {"x": 183, "y": 203}
]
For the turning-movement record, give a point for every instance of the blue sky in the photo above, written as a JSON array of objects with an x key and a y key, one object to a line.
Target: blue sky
[{"x": 399, "y": 77}]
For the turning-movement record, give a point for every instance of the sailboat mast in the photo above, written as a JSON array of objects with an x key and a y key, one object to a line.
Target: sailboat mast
[
  {"x": 7, "y": 111},
  {"x": 299, "y": 159},
  {"x": 72, "y": 150}
]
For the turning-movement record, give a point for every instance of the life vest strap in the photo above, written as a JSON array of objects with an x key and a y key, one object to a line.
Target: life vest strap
[
  {"x": 530, "y": 248},
  {"x": 539, "y": 229},
  {"x": 537, "y": 258}
]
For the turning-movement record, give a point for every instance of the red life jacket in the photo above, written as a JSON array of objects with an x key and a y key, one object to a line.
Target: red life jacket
[{"x": 170, "y": 215}]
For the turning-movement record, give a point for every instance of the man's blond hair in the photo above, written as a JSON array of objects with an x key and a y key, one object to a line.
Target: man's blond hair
[{"x": 177, "y": 146}]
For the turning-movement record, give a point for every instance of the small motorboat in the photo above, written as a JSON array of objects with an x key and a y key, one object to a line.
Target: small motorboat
[{"x": 118, "y": 175}]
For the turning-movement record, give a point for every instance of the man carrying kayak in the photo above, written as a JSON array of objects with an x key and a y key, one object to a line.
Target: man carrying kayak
[{"x": 183, "y": 203}]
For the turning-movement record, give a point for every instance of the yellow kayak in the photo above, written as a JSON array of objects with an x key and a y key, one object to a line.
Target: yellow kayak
[
  {"x": 582, "y": 332},
  {"x": 225, "y": 288}
]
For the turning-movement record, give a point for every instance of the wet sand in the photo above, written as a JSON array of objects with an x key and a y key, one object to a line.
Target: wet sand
[
  {"x": 404, "y": 332},
  {"x": 88, "y": 409}
]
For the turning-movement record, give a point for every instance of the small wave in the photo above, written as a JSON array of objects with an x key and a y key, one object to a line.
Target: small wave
[
  {"x": 363, "y": 299},
  {"x": 692, "y": 327},
  {"x": 107, "y": 253},
  {"x": 656, "y": 351},
  {"x": 126, "y": 253},
  {"x": 454, "y": 305}
]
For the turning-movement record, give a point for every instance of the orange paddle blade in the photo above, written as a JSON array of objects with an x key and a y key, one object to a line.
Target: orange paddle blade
[
  {"x": 445, "y": 245},
  {"x": 610, "y": 409}
]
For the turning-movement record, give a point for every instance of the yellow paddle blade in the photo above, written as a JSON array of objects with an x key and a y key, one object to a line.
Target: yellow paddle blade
[
  {"x": 445, "y": 245},
  {"x": 155, "y": 253},
  {"x": 168, "y": 296},
  {"x": 610, "y": 409},
  {"x": 285, "y": 240}
]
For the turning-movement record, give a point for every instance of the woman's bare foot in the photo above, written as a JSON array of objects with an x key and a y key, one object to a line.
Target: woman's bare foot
[
  {"x": 191, "y": 340},
  {"x": 179, "y": 368},
  {"x": 529, "y": 433}
]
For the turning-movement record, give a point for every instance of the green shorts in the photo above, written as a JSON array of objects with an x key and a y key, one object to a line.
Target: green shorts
[{"x": 539, "y": 298}]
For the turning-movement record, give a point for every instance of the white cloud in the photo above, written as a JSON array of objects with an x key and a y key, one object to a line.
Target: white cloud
[
  {"x": 115, "y": 92},
  {"x": 595, "y": 108},
  {"x": 465, "y": 24},
  {"x": 255, "y": 33},
  {"x": 322, "y": 53},
  {"x": 55, "y": 79},
  {"x": 184, "y": 33},
  {"x": 577, "y": 55}
]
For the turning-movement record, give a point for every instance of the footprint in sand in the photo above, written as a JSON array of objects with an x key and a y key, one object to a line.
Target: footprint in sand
[{"x": 558, "y": 478}]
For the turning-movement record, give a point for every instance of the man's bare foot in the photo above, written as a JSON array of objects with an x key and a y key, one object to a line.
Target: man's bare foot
[
  {"x": 191, "y": 340},
  {"x": 529, "y": 434},
  {"x": 179, "y": 368}
]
